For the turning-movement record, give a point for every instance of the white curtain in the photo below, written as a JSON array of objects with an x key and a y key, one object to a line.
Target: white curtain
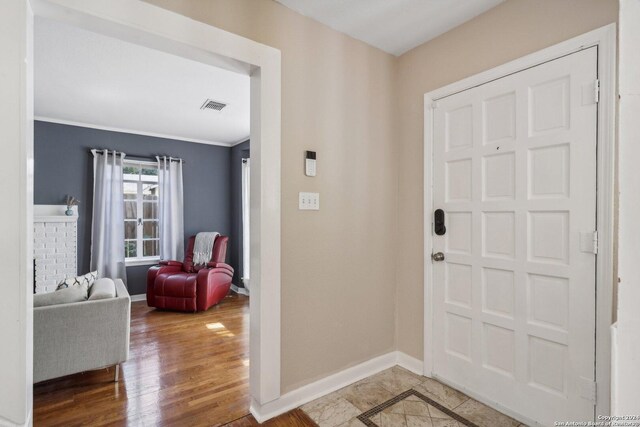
[
  {"x": 170, "y": 208},
  {"x": 246, "y": 235},
  {"x": 107, "y": 228}
]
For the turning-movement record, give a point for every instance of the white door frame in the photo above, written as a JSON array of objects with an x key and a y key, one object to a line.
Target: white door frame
[
  {"x": 605, "y": 40},
  {"x": 157, "y": 28}
]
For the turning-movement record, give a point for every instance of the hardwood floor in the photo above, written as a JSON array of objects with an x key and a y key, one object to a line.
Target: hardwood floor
[
  {"x": 295, "y": 418},
  {"x": 184, "y": 369}
]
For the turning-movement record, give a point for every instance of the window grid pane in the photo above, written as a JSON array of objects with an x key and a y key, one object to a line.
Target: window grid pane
[
  {"x": 149, "y": 210},
  {"x": 141, "y": 210},
  {"x": 130, "y": 249},
  {"x": 151, "y": 247},
  {"x": 150, "y": 230},
  {"x": 130, "y": 209}
]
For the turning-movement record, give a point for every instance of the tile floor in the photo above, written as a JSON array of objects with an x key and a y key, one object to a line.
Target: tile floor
[{"x": 398, "y": 398}]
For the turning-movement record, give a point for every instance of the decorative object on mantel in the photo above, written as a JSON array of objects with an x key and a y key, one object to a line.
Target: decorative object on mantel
[{"x": 71, "y": 201}]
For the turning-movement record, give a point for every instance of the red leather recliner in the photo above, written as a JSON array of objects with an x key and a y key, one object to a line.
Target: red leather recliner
[{"x": 183, "y": 286}]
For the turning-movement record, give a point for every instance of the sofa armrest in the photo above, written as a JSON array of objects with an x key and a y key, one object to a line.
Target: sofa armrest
[{"x": 81, "y": 336}]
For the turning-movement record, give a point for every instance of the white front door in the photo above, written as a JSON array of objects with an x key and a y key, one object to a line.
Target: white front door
[{"x": 514, "y": 169}]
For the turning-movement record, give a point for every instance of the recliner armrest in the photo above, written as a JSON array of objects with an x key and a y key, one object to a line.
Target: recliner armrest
[
  {"x": 217, "y": 264},
  {"x": 171, "y": 263},
  {"x": 220, "y": 265}
]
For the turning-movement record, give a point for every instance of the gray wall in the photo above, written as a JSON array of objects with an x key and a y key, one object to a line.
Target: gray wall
[
  {"x": 63, "y": 165},
  {"x": 238, "y": 152}
]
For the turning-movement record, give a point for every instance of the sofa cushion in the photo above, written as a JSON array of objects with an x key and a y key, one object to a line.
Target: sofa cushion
[
  {"x": 63, "y": 296},
  {"x": 69, "y": 282},
  {"x": 102, "y": 289}
]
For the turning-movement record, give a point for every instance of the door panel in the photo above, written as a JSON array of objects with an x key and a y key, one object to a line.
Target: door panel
[{"x": 514, "y": 168}]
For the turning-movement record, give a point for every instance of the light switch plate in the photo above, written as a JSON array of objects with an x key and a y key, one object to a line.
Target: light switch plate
[{"x": 309, "y": 201}]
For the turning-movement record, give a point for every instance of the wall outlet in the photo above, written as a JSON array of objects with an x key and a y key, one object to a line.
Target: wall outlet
[{"x": 309, "y": 201}]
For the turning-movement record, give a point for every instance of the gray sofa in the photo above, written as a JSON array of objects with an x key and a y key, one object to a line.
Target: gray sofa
[{"x": 81, "y": 336}]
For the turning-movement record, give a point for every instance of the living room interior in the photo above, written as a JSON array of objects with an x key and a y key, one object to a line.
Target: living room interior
[
  {"x": 471, "y": 260},
  {"x": 153, "y": 112}
]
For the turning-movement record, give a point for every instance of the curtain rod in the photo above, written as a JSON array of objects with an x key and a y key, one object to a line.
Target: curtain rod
[{"x": 153, "y": 157}]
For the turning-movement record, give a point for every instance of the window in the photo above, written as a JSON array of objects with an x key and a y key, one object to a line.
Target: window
[
  {"x": 246, "y": 233},
  {"x": 141, "y": 231}
]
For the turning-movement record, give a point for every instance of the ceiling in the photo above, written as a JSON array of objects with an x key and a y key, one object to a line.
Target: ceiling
[
  {"x": 85, "y": 78},
  {"x": 394, "y": 26}
]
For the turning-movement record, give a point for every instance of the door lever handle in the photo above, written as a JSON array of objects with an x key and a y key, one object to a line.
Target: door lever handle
[{"x": 438, "y": 256}]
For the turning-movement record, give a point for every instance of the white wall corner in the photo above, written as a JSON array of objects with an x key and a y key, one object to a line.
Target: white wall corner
[
  {"x": 324, "y": 386},
  {"x": 410, "y": 363}
]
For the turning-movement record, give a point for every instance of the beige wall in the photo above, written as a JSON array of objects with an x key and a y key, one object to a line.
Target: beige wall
[
  {"x": 507, "y": 32},
  {"x": 352, "y": 274},
  {"x": 338, "y": 273}
]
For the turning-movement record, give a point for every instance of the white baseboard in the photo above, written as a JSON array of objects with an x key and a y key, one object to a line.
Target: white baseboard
[
  {"x": 241, "y": 291},
  {"x": 6, "y": 423},
  {"x": 138, "y": 297},
  {"x": 334, "y": 382},
  {"x": 409, "y": 363}
]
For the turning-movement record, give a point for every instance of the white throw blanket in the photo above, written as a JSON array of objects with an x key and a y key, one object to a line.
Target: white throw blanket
[{"x": 203, "y": 247}]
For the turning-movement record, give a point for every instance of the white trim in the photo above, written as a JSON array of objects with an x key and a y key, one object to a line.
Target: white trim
[
  {"x": 140, "y": 259},
  {"x": 157, "y": 28},
  {"x": 134, "y": 262},
  {"x": 239, "y": 291},
  {"x": 428, "y": 242},
  {"x": 326, "y": 385},
  {"x": 133, "y": 131},
  {"x": 240, "y": 141},
  {"x": 61, "y": 218},
  {"x": 53, "y": 210},
  {"x": 607, "y": 52},
  {"x": 605, "y": 39},
  {"x": 141, "y": 163},
  {"x": 138, "y": 297},
  {"x": 54, "y": 213},
  {"x": 409, "y": 363},
  {"x": 16, "y": 225},
  {"x": 614, "y": 369},
  {"x": 7, "y": 423}
]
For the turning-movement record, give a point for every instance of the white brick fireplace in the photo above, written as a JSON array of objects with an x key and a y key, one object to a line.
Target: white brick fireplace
[{"x": 55, "y": 245}]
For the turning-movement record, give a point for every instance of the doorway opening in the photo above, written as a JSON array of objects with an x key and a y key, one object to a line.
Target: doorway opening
[
  {"x": 158, "y": 29},
  {"x": 177, "y": 179}
]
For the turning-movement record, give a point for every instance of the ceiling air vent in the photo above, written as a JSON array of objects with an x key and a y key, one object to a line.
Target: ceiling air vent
[{"x": 210, "y": 104}]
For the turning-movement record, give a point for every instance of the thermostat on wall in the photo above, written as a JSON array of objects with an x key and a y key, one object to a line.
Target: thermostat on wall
[{"x": 310, "y": 163}]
